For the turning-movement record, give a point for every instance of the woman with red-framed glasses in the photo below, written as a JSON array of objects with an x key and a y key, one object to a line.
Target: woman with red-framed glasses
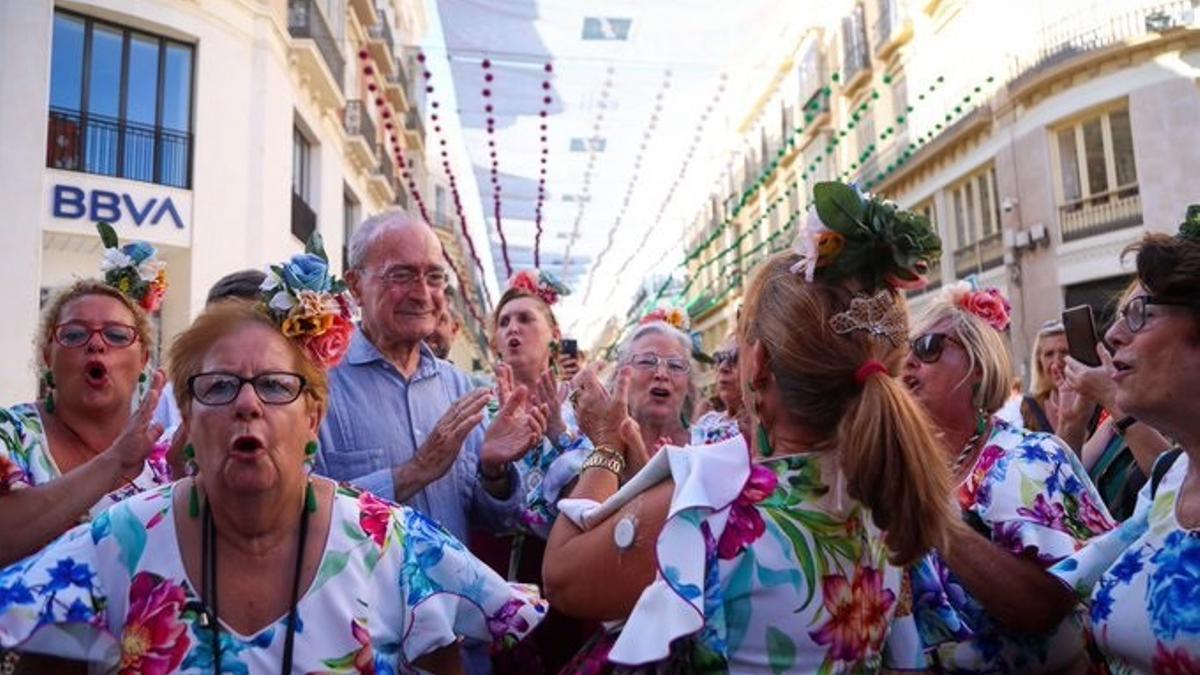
[{"x": 84, "y": 446}]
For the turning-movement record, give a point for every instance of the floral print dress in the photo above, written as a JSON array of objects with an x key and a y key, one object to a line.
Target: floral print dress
[
  {"x": 1029, "y": 495},
  {"x": 713, "y": 427},
  {"x": 764, "y": 567},
  {"x": 391, "y": 586},
  {"x": 25, "y": 459},
  {"x": 1142, "y": 584},
  {"x": 546, "y": 470}
]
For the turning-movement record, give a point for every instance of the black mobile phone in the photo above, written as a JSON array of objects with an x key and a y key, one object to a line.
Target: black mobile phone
[
  {"x": 1080, "y": 327},
  {"x": 570, "y": 347}
]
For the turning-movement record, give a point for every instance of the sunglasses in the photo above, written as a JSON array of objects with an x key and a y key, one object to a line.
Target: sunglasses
[
  {"x": 929, "y": 347},
  {"x": 728, "y": 357}
]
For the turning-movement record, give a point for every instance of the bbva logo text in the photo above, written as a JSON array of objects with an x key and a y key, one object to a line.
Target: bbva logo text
[{"x": 102, "y": 205}]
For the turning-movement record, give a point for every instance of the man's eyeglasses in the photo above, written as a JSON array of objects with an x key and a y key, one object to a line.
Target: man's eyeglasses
[
  {"x": 1134, "y": 311},
  {"x": 725, "y": 357},
  {"x": 929, "y": 347},
  {"x": 406, "y": 278},
  {"x": 218, "y": 388},
  {"x": 73, "y": 334},
  {"x": 649, "y": 362}
]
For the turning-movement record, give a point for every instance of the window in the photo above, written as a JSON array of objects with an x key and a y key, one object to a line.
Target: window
[
  {"x": 349, "y": 224},
  {"x": 120, "y": 102},
  {"x": 927, "y": 209},
  {"x": 1097, "y": 175},
  {"x": 975, "y": 221},
  {"x": 304, "y": 218},
  {"x": 854, "y": 43},
  {"x": 606, "y": 28}
]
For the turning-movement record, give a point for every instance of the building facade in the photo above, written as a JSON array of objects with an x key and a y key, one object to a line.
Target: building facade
[
  {"x": 223, "y": 132},
  {"x": 1040, "y": 137}
]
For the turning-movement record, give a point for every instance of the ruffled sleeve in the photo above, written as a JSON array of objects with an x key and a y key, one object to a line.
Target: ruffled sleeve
[
  {"x": 448, "y": 593},
  {"x": 54, "y": 603},
  {"x": 707, "y": 480},
  {"x": 1031, "y": 495}
]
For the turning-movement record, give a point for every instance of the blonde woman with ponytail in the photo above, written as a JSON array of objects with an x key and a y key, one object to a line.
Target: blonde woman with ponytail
[
  {"x": 772, "y": 557},
  {"x": 1026, "y": 503}
]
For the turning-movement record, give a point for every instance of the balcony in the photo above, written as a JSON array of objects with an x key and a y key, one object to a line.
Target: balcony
[
  {"x": 382, "y": 181},
  {"x": 855, "y": 59},
  {"x": 315, "y": 51},
  {"x": 979, "y": 257},
  {"x": 1097, "y": 214},
  {"x": 304, "y": 219},
  {"x": 360, "y": 131},
  {"x": 892, "y": 27},
  {"x": 379, "y": 44},
  {"x": 414, "y": 131},
  {"x": 1093, "y": 30},
  {"x": 364, "y": 11},
  {"x": 396, "y": 87},
  {"x": 115, "y": 147}
]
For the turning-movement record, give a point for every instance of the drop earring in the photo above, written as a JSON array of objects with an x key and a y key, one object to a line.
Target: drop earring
[
  {"x": 310, "y": 493},
  {"x": 48, "y": 380},
  {"x": 189, "y": 454}
]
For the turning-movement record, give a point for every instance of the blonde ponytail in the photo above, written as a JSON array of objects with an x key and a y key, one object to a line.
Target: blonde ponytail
[{"x": 889, "y": 457}]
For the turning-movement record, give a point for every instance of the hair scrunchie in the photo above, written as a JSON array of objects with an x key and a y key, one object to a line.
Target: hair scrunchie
[{"x": 868, "y": 369}]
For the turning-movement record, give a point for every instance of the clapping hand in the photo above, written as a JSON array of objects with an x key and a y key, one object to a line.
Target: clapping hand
[
  {"x": 437, "y": 454},
  {"x": 515, "y": 429},
  {"x": 1095, "y": 383}
]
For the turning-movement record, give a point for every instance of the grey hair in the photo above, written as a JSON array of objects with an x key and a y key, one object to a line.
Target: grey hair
[
  {"x": 371, "y": 229},
  {"x": 625, "y": 353}
]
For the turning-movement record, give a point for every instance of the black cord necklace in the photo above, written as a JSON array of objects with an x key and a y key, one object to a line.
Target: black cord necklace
[{"x": 208, "y": 583}]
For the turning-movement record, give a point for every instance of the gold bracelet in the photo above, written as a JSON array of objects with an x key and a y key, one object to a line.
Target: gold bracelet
[{"x": 606, "y": 459}]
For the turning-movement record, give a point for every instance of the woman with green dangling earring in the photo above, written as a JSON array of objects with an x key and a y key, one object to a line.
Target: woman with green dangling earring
[
  {"x": 89, "y": 442},
  {"x": 252, "y": 563},
  {"x": 1025, "y": 499}
]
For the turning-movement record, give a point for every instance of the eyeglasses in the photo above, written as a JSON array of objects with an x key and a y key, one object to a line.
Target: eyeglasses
[
  {"x": 649, "y": 362},
  {"x": 1134, "y": 311},
  {"x": 274, "y": 388},
  {"x": 73, "y": 334},
  {"x": 435, "y": 278},
  {"x": 929, "y": 347},
  {"x": 727, "y": 357}
]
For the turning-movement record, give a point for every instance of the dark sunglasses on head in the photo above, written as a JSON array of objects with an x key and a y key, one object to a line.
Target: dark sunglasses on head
[
  {"x": 928, "y": 348},
  {"x": 728, "y": 357}
]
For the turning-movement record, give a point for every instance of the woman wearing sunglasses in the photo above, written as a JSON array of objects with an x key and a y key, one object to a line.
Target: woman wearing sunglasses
[
  {"x": 79, "y": 450},
  {"x": 717, "y": 426},
  {"x": 1026, "y": 504}
]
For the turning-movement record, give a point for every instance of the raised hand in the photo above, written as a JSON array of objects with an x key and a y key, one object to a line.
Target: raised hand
[
  {"x": 1096, "y": 382},
  {"x": 504, "y": 382},
  {"x": 437, "y": 454},
  {"x": 551, "y": 395},
  {"x": 513, "y": 431},
  {"x": 137, "y": 438},
  {"x": 601, "y": 414}
]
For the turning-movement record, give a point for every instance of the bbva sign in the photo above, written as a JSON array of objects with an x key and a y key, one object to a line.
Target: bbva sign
[{"x": 95, "y": 205}]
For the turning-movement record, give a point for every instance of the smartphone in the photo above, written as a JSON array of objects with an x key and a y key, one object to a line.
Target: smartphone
[
  {"x": 570, "y": 347},
  {"x": 1080, "y": 327}
]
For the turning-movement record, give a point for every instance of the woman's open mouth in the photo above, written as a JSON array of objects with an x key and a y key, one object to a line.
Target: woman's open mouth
[
  {"x": 95, "y": 374},
  {"x": 246, "y": 447},
  {"x": 660, "y": 394}
]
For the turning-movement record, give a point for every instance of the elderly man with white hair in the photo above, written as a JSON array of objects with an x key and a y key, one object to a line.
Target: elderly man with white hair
[{"x": 402, "y": 423}]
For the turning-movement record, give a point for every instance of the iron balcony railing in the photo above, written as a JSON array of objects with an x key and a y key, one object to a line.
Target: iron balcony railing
[
  {"x": 357, "y": 121},
  {"x": 306, "y": 21},
  {"x": 382, "y": 31},
  {"x": 78, "y": 141}
]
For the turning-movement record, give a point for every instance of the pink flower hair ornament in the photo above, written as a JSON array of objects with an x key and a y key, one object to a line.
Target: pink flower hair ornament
[
  {"x": 988, "y": 304},
  {"x": 540, "y": 283}
]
